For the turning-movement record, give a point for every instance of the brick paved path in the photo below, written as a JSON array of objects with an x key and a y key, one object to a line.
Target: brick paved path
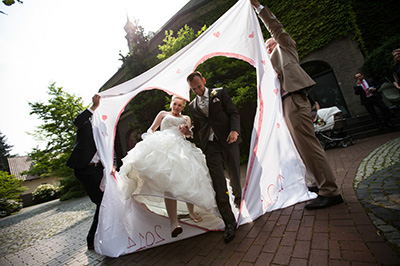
[{"x": 54, "y": 234}]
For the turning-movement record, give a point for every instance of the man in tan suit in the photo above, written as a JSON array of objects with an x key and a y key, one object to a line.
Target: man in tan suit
[{"x": 295, "y": 85}]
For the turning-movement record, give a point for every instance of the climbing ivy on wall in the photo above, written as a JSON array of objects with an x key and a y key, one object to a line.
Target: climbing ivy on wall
[
  {"x": 217, "y": 9},
  {"x": 377, "y": 20},
  {"x": 312, "y": 23},
  {"x": 315, "y": 23}
]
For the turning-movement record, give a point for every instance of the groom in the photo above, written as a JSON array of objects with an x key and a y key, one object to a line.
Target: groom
[{"x": 217, "y": 126}]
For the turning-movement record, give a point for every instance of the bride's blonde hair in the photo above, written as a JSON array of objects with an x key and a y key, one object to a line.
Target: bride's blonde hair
[{"x": 177, "y": 97}]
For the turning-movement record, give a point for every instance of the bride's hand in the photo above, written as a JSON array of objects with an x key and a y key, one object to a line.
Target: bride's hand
[{"x": 184, "y": 129}]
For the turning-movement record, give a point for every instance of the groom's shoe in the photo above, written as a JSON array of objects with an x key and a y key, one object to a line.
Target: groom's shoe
[
  {"x": 324, "y": 202},
  {"x": 229, "y": 233}
]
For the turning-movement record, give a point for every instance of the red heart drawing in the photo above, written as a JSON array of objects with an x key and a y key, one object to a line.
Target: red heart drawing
[
  {"x": 276, "y": 91},
  {"x": 263, "y": 62},
  {"x": 251, "y": 35},
  {"x": 277, "y": 124},
  {"x": 178, "y": 71},
  {"x": 104, "y": 117},
  {"x": 216, "y": 34}
]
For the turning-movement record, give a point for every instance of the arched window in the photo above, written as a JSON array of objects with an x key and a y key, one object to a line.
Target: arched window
[
  {"x": 327, "y": 91},
  {"x": 316, "y": 68}
]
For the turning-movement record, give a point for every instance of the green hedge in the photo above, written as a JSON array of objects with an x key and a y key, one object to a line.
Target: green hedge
[{"x": 379, "y": 64}]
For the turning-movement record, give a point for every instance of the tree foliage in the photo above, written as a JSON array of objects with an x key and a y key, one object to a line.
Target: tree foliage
[
  {"x": 139, "y": 59},
  {"x": 314, "y": 24},
  {"x": 173, "y": 44},
  {"x": 10, "y": 190},
  {"x": 212, "y": 14},
  {"x": 378, "y": 21},
  {"x": 58, "y": 131},
  {"x": 5, "y": 150},
  {"x": 379, "y": 64},
  {"x": 10, "y": 186},
  {"x": 9, "y": 3},
  {"x": 145, "y": 106}
]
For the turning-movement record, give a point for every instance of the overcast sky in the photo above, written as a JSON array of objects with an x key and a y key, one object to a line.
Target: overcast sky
[{"x": 74, "y": 44}]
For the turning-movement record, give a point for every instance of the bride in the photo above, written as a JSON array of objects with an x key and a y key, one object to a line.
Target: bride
[{"x": 166, "y": 165}]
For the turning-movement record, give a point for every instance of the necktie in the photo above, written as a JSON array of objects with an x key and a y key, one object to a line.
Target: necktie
[
  {"x": 365, "y": 88},
  {"x": 203, "y": 104}
]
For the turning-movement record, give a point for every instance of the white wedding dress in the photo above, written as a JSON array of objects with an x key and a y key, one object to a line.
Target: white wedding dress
[{"x": 165, "y": 164}]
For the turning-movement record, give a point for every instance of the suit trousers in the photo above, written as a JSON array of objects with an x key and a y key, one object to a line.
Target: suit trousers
[
  {"x": 215, "y": 162},
  {"x": 90, "y": 177},
  {"x": 232, "y": 165},
  {"x": 375, "y": 101},
  {"x": 297, "y": 113}
]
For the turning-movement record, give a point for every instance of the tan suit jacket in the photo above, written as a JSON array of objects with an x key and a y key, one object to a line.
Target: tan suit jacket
[{"x": 284, "y": 58}]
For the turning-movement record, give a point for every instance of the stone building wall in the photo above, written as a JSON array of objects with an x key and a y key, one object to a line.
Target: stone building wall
[{"x": 345, "y": 58}]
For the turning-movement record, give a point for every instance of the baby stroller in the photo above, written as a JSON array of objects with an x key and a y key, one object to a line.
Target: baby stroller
[
  {"x": 391, "y": 94},
  {"x": 329, "y": 128}
]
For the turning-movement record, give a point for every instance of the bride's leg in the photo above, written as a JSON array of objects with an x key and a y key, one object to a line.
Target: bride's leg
[
  {"x": 171, "y": 206},
  {"x": 196, "y": 218}
]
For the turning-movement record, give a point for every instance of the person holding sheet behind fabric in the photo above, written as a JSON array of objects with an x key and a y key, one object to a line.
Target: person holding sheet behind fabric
[
  {"x": 86, "y": 163},
  {"x": 295, "y": 85},
  {"x": 166, "y": 165}
]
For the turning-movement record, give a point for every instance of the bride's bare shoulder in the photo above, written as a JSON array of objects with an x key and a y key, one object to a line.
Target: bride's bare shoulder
[{"x": 162, "y": 113}]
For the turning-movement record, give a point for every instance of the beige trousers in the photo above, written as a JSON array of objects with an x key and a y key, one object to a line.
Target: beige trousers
[{"x": 297, "y": 112}]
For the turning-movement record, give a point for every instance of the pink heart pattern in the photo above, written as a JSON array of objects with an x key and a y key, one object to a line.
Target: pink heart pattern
[
  {"x": 263, "y": 62},
  {"x": 216, "y": 34},
  {"x": 276, "y": 91},
  {"x": 251, "y": 35},
  {"x": 278, "y": 125},
  {"x": 104, "y": 117},
  {"x": 178, "y": 71}
]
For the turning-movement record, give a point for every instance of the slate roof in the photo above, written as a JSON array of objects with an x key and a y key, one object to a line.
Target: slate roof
[{"x": 19, "y": 164}]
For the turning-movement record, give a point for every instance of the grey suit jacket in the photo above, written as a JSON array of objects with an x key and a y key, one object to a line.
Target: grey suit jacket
[{"x": 284, "y": 58}]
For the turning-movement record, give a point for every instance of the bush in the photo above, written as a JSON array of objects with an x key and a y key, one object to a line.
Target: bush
[
  {"x": 10, "y": 186},
  {"x": 10, "y": 190},
  {"x": 45, "y": 193},
  {"x": 9, "y": 206}
]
